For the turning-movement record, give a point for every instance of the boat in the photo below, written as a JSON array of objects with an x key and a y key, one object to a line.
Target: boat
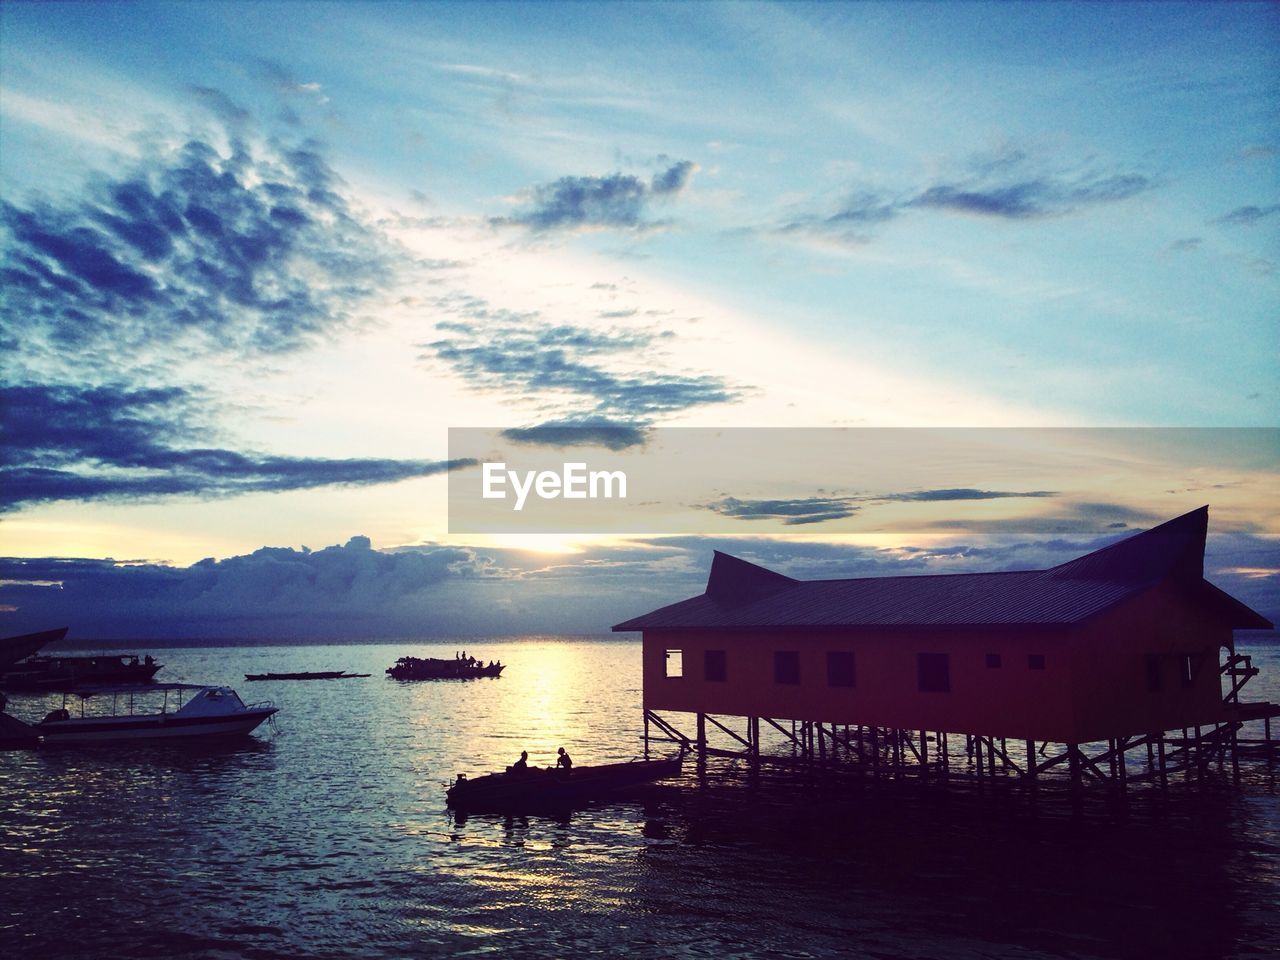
[
  {"x": 60, "y": 672},
  {"x": 310, "y": 675},
  {"x": 429, "y": 668},
  {"x": 209, "y": 713},
  {"x": 13, "y": 649},
  {"x": 540, "y": 789}
]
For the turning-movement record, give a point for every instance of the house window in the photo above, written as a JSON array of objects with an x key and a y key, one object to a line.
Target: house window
[
  {"x": 934, "y": 672},
  {"x": 715, "y": 665},
  {"x": 993, "y": 661},
  {"x": 786, "y": 666},
  {"x": 1154, "y": 681},
  {"x": 841, "y": 671},
  {"x": 675, "y": 663},
  {"x": 1191, "y": 668},
  {"x": 1035, "y": 661}
]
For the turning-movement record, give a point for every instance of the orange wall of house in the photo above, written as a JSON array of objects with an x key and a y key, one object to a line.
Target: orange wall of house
[
  {"x": 1093, "y": 687},
  {"x": 1110, "y": 668},
  {"x": 1012, "y": 700}
]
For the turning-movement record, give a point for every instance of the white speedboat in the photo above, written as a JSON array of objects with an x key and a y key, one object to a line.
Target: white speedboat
[{"x": 209, "y": 713}]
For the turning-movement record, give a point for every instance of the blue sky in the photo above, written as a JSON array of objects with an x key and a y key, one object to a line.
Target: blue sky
[{"x": 260, "y": 257}]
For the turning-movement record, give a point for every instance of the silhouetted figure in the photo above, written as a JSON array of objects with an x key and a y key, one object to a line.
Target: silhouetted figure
[
  {"x": 521, "y": 765},
  {"x": 563, "y": 760}
]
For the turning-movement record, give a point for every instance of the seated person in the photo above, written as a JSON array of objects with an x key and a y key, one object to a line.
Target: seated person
[
  {"x": 564, "y": 760},
  {"x": 521, "y": 765}
]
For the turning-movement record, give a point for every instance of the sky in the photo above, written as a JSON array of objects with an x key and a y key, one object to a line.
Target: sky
[{"x": 260, "y": 258}]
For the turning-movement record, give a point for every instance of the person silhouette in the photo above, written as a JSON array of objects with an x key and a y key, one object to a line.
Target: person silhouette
[
  {"x": 521, "y": 765},
  {"x": 564, "y": 760}
]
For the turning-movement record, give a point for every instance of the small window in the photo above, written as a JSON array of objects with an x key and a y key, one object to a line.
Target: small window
[
  {"x": 934, "y": 672},
  {"x": 993, "y": 661},
  {"x": 1155, "y": 683},
  {"x": 786, "y": 666},
  {"x": 1191, "y": 668},
  {"x": 715, "y": 665},
  {"x": 841, "y": 670},
  {"x": 1035, "y": 661},
  {"x": 675, "y": 663}
]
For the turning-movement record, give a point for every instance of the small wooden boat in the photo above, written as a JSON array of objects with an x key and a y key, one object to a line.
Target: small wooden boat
[
  {"x": 308, "y": 675},
  {"x": 539, "y": 789},
  {"x": 430, "y": 668}
]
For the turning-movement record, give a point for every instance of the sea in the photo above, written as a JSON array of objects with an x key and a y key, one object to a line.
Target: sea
[{"x": 326, "y": 835}]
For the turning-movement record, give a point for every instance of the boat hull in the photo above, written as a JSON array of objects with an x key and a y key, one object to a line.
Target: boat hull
[
  {"x": 555, "y": 789},
  {"x": 13, "y": 649},
  {"x": 165, "y": 727}
]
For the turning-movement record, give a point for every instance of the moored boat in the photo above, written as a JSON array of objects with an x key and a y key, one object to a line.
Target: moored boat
[
  {"x": 61, "y": 672},
  {"x": 535, "y": 788},
  {"x": 13, "y": 649},
  {"x": 209, "y": 713},
  {"x": 306, "y": 675},
  {"x": 430, "y": 668}
]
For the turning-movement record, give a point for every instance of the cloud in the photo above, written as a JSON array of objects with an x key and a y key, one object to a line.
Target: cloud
[
  {"x": 616, "y": 201},
  {"x": 247, "y": 250},
  {"x": 519, "y": 354},
  {"x": 586, "y": 432},
  {"x": 960, "y": 493},
  {"x": 67, "y": 442},
  {"x": 806, "y": 510},
  {"x": 354, "y": 591},
  {"x": 1247, "y": 216},
  {"x": 1004, "y": 188},
  {"x": 789, "y": 512}
]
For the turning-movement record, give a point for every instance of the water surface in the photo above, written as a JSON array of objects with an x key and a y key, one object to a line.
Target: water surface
[{"x": 329, "y": 837}]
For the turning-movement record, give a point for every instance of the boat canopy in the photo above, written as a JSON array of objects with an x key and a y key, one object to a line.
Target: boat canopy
[{"x": 93, "y": 690}]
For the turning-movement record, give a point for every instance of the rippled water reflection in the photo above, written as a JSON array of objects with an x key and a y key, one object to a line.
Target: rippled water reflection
[{"x": 330, "y": 838}]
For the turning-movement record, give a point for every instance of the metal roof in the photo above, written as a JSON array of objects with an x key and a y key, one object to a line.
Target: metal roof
[{"x": 741, "y": 595}]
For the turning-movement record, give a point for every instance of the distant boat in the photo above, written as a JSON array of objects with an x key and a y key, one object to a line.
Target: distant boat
[
  {"x": 13, "y": 649},
  {"x": 311, "y": 675},
  {"x": 210, "y": 713},
  {"x": 537, "y": 789},
  {"x": 429, "y": 668},
  {"x": 53, "y": 673}
]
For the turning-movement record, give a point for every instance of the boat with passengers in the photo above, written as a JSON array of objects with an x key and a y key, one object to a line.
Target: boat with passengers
[
  {"x": 209, "y": 712},
  {"x": 541, "y": 789}
]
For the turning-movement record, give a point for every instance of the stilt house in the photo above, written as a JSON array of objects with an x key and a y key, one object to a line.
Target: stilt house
[{"x": 1120, "y": 642}]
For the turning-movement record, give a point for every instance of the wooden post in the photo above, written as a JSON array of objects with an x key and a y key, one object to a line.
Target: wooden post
[
  {"x": 1073, "y": 764},
  {"x": 1031, "y": 763},
  {"x": 924, "y": 754},
  {"x": 702, "y": 733},
  {"x": 1164, "y": 773},
  {"x": 646, "y": 734},
  {"x": 977, "y": 753}
]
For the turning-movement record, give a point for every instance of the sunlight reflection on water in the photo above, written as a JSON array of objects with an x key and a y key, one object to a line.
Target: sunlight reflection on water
[{"x": 331, "y": 838}]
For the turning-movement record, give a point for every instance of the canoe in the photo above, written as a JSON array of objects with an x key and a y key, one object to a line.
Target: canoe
[
  {"x": 312, "y": 675},
  {"x": 539, "y": 789}
]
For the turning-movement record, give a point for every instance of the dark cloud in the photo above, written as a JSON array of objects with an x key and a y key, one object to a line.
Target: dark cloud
[
  {"x": 615, "y": 201},
  {"x": 249, "y": 250},
  {"x": 961, "y": 493},
  {"x": 1247, "y": 216},
  {"x": 63, "y": 442},
  {"x": 807, "y": 510},
  {"x": 587, "y": 432},
  {"x": 788, "y": 512},
  {"x": 532, "y": 357},
  {"x": 990, "y": 188}
]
